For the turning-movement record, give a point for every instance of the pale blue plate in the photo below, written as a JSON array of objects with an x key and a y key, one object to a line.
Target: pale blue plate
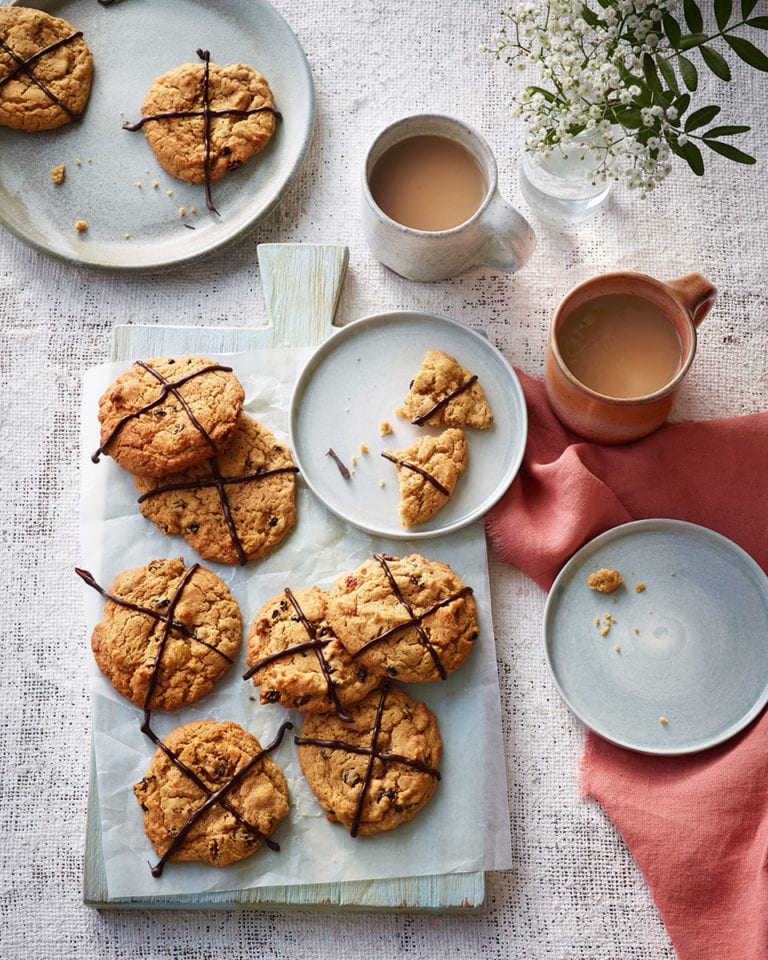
[
  {"x": 111, "y": 173},
  {"x": 357, "y": 379},
  {"x": 693, "y": 645}
]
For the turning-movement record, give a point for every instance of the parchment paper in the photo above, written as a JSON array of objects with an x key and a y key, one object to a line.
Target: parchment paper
[{"x": 465, "y": 827}]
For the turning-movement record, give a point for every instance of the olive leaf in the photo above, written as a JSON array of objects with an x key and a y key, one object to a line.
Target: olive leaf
[
  {"x": 729, "y": 151},
  {"x": 688, "y": 72},
  {"x": 747, "y": 6},
  {"x": 716, "y": 62},
  {"x": 690, "y": 153},
  {"x": 693, "y": 16},
  {"x": 723, "y": 11},
  {"x": 701, "y": 117},
  {"x": 748, "y": 52}
]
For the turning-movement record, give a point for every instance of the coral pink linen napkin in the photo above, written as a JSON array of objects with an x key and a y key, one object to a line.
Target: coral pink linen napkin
[{"x": 697, "y": 825}]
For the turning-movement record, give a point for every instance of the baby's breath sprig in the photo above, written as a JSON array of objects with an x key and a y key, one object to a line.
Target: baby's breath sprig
[{"x": 617, "y": 79}]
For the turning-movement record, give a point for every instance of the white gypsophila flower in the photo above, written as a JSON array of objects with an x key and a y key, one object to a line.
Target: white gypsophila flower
[{"x": 590, "y": 64}]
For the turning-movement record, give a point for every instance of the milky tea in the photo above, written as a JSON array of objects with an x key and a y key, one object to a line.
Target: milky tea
[
  {"x": 428, "y": 182},
  {"x": 620, "y": 346}
]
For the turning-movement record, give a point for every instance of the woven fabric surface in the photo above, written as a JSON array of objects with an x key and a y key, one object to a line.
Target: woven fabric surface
[{"x": 574, "y": 892}]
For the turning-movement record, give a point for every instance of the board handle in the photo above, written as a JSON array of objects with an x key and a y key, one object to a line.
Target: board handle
[{"x": 302, "y": 283}]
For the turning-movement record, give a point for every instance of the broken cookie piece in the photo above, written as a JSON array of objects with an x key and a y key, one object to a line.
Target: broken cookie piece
[
  {"x": 444, "y": 394},
  {"x": 428, "y": 471}
]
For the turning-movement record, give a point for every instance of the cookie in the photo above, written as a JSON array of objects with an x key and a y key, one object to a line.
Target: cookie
[
  {"x": 377, "y": 770},
  {"x": 234, "y": 507},
  {"x": 444, "y": 394},
  {"x": 46, "y": 70},
  {"x": 428, "y": 471},
  {"x": 202, "y": 120},
  {"x": 409, "y": 618},
  {"x": 167, "y": 634},
  {"x": 297, "y": 661},
  {"x": 167, "y": 414},
  {"x": 217, "y": 798}
]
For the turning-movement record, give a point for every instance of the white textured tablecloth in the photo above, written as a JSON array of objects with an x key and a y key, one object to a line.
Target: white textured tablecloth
[{"x": 574, "y": 891}]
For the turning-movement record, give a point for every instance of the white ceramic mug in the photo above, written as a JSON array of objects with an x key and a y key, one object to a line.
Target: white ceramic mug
[{"x": 496, "y": 235}]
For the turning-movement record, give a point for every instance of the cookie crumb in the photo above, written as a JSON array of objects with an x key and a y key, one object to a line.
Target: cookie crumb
[
  {"x": 126, "y": 236},
  {"x": 617, "y": 648},
  {"x": 78, "y": 163},
  {"x": 663, "y": 721},
  {"x": 363, "y": 448},
  {"x": 385, "y": 428},
  {"x": 155, "y": 184},
  {"x": 182, "y": 211},
  {"x": 605, "y": 580},
  {"x": 58, "y": 174},
  {"x": 81, "y": 226},
  {"x": 639, "y": 587},
  {"x": 382, "y": 483}
]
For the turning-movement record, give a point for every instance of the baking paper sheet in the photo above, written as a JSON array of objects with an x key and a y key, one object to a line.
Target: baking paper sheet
[{"x": 464, "y": 828}]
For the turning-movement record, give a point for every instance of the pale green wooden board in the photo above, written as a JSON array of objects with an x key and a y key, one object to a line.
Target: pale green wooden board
[{"x": 302, "y": 283}]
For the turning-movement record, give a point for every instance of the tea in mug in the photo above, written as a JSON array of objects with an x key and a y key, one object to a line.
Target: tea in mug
[
  {"x": 620, "y": 346},
  {"x": 428, "y": 182}
]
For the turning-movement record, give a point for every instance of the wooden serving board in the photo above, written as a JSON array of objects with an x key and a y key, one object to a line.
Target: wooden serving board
[{"x": 302, "y": 283}]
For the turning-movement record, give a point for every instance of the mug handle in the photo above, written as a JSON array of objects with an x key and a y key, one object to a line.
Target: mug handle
[
  {"x": 510, "y": 239},
  {"x": 696, "y": 293}
]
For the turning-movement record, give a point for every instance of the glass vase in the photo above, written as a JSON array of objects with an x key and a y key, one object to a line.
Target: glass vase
[{"x": 562, "y": 188}]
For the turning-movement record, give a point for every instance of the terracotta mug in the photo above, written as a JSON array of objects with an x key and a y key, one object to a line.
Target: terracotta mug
[{"x": 621, "y": 419}]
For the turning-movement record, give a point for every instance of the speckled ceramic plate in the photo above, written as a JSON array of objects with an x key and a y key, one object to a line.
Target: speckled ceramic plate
[
  {"x": 140, "y": 227},
  {"x": 357, "y": 379},
  {"x": 684, "y": 663}
]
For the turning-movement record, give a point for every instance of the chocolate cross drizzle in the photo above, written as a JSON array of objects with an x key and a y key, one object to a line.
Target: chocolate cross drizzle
[
  {"x": 218, "y": 480},
  {"x": 167, "y": 387},
  {"x": 207, "y": 115},
  {"x": 417, "y": 469},
  {"x": 314, "y": 643},
  {"x": 373, "y": 753},
  {"x": 25, "y": 67},
  {"x": 414, "y": 620},
  {"x": 424, "y": 417},
  {"x": 169, "y": 622},
  {"x": 212, "y": 797}
]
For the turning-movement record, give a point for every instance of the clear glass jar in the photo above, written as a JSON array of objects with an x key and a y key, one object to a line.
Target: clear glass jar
[{"x": 562, "y": 188}]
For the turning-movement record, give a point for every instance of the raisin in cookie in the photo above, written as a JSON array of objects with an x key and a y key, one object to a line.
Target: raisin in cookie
[
  {"x": 167, "y": 414},
  {"x": 234, "y": 507},
  {"x": 167, "y": 634},
  {"x": 428, "y": 471},
  {"x": 180, "y": 817},
  {"x": 408, "y": 618},
  {"x": 202, "y": 120},
  {"x": 444, "y": 394},
  {"x": 46, "y": 70},
  {"x": 297, "y": 661},
  {"x": 377, "y": 770}
]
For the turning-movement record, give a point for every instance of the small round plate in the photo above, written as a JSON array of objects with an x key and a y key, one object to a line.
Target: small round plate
[
  {"x": 113, "y": 181},
  {"x": 356, "y": 380},
  {"x": 684, "y": 663}
]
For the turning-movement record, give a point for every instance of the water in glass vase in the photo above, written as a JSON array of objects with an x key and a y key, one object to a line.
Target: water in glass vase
[{"x": 559, "y": 188}]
